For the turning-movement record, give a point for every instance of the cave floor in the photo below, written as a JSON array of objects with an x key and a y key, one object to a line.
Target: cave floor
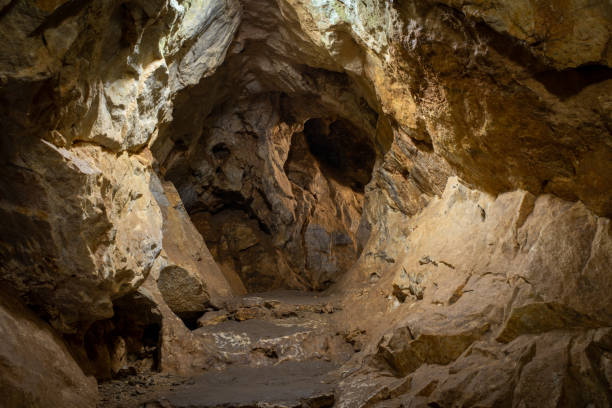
[{"x": 277, "y": 349}]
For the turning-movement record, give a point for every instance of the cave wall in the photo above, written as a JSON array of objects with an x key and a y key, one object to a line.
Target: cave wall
[
  {"x": 444, "y": 163},
  {"x": 270, "y": 209},
  {"x": 492, "y": 301},
  {"x": 84, "y": 87}
]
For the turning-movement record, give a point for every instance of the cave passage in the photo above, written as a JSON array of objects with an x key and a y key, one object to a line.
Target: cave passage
[
  {"x": 274, "y": 180},
  {"x": 328, "y": 164},
  {"x": 305, "y": 203},
  {"x": 345, "y": 153}
]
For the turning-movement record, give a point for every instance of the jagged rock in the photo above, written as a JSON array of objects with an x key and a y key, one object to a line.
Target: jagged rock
[
  {"x": 405, "y": 353},
  {"x": 483, "y": 287},
  {"x": 179, "y": 351},
  {"x": 444, "y": 166},
  {"x": 186, "y": 274},
  {"x": 459, "y": 77},
  {"x": 36, "y": 368},
  {"x": 265, "y": 211},
  {"x": 93, "y": 230},
  {"x": 96, "y": 78}
]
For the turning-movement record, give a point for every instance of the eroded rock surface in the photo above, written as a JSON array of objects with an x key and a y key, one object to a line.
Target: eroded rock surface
[
  {"x": 488, "y": 289},
  {"x": 81, "y": 224},
  {"x": 444, "y": 168},
  {"x": 279, "y": 348},
  {"x": 36, "y": 369}
]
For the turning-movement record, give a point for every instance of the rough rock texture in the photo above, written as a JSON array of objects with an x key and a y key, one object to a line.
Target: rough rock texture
[
  {"x": 186, "y": 273},
  {"x": 272, "y": 208},
  {"x": 444, "y": 167},
  {"x": 84, "y": 87},
  {"x": 82, "y": 225},
  {"x": 510, "y": 94},
  {"x": 487, "y": 292},
  {"x": 439, "y": 89},
  {"x": 281, "y": 348},
  {"x": 36, "y": 369}
]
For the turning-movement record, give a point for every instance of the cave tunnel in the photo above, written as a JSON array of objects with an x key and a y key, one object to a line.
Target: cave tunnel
[{"x": 338, "y": 203}]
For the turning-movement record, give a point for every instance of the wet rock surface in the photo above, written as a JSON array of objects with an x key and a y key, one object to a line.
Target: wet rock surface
[
  {"x": 279, "y": 348},
  {"x": 291, "y": 384}
]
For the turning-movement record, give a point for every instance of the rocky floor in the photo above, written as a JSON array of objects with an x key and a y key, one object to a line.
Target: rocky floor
[
  {"x": 276, "y": 350},
  {"x": 288, "y": 384},
  {"x": 136, "y": 390}
]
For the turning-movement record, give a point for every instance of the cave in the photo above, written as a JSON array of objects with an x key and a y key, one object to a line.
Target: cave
[
  {"x": 331, "y": 203},
  {"x": 346, "y": 155},
  {"x": 126, "y": 344}
]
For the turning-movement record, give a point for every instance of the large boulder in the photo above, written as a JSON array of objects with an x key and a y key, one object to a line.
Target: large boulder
[{"x": 187, "y": 275}]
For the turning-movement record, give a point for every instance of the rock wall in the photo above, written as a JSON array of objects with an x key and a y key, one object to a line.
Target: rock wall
[
  {"x": 246, "y": 176},
  {"x": 37, "y": 368},
  {"x": 80, "y": 107},
  {"x": 486, "y": 292},
  {"x": 447, "y": 165},
  {"x": 269, "y": 209},
  {"x": 84, "y": 88},
  {"x": 505, "y": 110}
]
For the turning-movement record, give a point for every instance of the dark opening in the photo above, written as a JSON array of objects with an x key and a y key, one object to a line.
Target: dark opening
[
  {"x": 190, "y": 320},
  {"x": 343, "y": 150},
  {"x": 150, "y": 336},
  {"x": 221, "y": 151},
  {"x": 569, "y": 82},
  {"x": 126, "y": 344}
]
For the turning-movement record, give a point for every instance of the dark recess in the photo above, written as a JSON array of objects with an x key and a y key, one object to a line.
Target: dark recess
[
  {"x": 569, "y": 82},
  {"x": 138, "y": 322},
  {"x": 190, "y": 320},
  {"x": 345, "y": 153}
]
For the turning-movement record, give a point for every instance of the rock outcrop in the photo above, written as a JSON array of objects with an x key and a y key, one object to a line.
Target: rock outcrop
[
  {"x": 443, "y": 168},
  {"x": 37, "y": 368},
  {"x": 84, "y": 88},
  {"x": 79, "y": 108},
  {"x": 501, "y": 283}
]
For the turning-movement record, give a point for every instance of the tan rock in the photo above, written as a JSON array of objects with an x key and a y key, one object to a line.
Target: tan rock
[
  {"x": 37, "y": 369},
  {"x": 189, "y": 278},
  {"x": 93, "y": 223},
  {"x": 447, "y": 164},
  {"x": 478, "y": 318},
  {"x": 180, "y": 352},
  {"x": 212, "y": 318}
]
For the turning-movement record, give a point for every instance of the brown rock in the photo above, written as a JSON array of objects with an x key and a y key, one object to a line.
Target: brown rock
[
  {"x": 443, "y": 167},
  {"x": 212, "y": 318},
  {"x": 37, "y": 369},
  {"x": 96, "y": 225}
]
